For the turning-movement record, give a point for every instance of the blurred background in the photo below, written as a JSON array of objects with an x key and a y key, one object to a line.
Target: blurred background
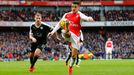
[{"x": 113, "y": 18}]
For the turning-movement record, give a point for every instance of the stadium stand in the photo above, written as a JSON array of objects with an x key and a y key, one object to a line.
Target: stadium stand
[
  {"x": 123, "y": 46},
  {"x": 119, "y": 15},
  {"x": 15, "y": 43},
  {"x": 28, "y": 14},
  {"x": 18, "y": 44}
]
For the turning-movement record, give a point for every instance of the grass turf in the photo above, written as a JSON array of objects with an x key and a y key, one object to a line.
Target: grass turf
[{"x": 90, "y": 67}]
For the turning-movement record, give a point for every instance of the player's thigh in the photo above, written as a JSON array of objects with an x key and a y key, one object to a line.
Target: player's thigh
[
  {"x": 33, "y": 48},
  {"x": 74, "y": 52},
  {"x": 38, "y": 49},
  {"x": 31, "y": 54},
  {"x": 108, "y": 51},
  {"x": 75, "y": 41},
  {"x": 37, "y": 52}
]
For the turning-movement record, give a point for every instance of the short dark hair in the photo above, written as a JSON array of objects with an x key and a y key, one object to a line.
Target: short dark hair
[
  {"x": 38, "y": 14},
  {"x": 76, "y": 2}
]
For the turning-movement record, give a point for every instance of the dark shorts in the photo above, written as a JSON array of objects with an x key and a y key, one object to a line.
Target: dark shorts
[{"x": 34, "y": 46}]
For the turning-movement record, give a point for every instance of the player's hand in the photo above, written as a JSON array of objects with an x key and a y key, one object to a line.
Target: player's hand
[
  {"x": 91, "y": 19},
  {"x": 50, "y": 34},
  {"x": 81, "y": 43},
  {"x": 34, "y": 40},
  {"x": 58, "y": 38}
]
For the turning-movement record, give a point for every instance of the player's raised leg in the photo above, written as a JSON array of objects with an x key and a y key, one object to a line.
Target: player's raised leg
[
  {"x": 77, "y": 61},
  {"x": 68, "y": 58}
]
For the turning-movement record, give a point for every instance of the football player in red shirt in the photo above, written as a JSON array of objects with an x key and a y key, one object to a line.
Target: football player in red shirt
[
  {"x": 109, "y": 48},
  {"x": 75, "y": 17}
]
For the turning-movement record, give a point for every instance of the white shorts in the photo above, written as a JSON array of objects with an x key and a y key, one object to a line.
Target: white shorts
[
  {"x": 108, "y": 50},
  {"x": 74, "y": 40}
]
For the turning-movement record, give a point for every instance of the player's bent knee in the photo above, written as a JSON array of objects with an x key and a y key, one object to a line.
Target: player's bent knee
[{"x": 37, "y": 55}]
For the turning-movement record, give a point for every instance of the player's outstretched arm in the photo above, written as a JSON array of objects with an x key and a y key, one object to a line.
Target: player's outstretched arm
[
  {"x": 90, "y": 19},
  {"x": 84, "y": 17},
  {"x": 56, "y": 27},
  {"x": 56, "y": 37},
  {"x": 54, "y": 30}
]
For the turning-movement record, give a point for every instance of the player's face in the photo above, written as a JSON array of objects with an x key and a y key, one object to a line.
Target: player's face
[
  {"x": 38, "y": 18},
  {"x": 75, "y": 8}
]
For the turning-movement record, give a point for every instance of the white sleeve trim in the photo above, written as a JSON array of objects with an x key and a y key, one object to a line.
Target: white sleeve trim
[
  {"x": 84, "y": 17},
  {"x": 30, "y": 32},
  {"x": 50, "y": 26},
  {"x": 57, "y": 25},
  {"x": 81, "y": 35}
]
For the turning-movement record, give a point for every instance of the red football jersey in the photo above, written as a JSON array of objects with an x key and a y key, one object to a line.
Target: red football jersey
[
  {"x": 74, "y": 22},
  {"x": 109, "y": 44}
]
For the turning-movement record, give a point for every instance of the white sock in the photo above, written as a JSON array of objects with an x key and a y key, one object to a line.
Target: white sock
[
  {"x": 106, "y": 56},
  {"x": 72, "y": 62},
  {"x": 110, "y": 56}
]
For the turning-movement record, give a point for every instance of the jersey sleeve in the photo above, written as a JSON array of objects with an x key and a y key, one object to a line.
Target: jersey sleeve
[
  {"x": 112, "y": 44},
  {"x": 48, "y": 25},
  {"x": 84, "y": 17},
  {"x": 57, "y": 25},
  {"x": 106, "y": 44},
  {"x": 30, "y": 32},
  {"x": 81, "y": 36}
]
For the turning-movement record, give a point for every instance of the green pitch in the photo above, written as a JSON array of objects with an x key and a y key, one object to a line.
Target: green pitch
[{"x": 90, "y": 67}]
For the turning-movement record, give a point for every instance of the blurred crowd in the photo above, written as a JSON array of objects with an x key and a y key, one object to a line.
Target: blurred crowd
[
  {"x": 28, "y": 15},
  {"x": 16, "y": 45},
  {"x": 49, "y": 0},
  {"x": 122, "y": 41},
  {"x": 119, "y": 15}
]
